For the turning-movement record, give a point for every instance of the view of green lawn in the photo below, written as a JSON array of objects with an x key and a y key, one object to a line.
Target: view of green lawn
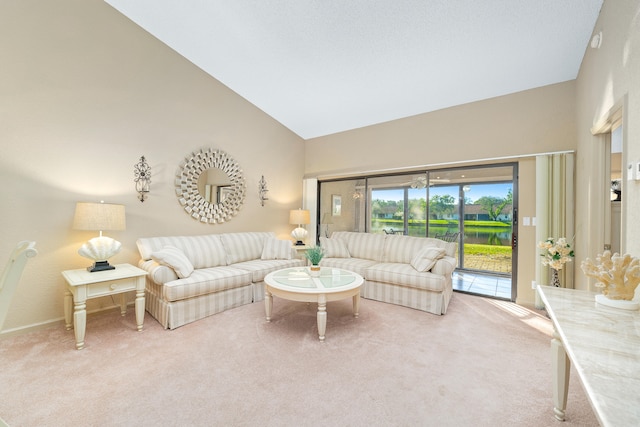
[
  {"x": 494, "y": 255},
  {"x": 486, "y": 230}
]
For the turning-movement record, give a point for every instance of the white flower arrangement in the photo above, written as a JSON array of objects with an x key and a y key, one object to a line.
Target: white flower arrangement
[{"x": 556, "y": 252}]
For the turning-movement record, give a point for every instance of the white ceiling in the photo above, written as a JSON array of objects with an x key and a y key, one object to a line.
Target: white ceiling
[{"x": 326, "y": 66}]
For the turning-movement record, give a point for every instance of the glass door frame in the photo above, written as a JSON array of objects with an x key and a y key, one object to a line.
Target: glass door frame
[
  {"x": 364, "y": 184},
  {"x": 461, "y": 196}
]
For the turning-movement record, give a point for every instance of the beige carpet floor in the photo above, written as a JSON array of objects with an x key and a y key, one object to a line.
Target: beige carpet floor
[{"x": 485, "y": 363}]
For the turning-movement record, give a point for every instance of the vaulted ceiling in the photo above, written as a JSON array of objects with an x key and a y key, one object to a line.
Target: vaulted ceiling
[{"x": 326, "y": 66}]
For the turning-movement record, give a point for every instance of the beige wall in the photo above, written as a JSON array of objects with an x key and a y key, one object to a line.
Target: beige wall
[
  {"x": 84, "y": 93},
  {"x": 527, "y": 122},
  {"x": 521, "y": 124},
  {"x": 553, "y": 118},
  {"x": 608, "y": 80}
]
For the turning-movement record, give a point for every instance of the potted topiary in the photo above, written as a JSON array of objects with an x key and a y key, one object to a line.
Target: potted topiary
[{"x": 314, "y": 255}]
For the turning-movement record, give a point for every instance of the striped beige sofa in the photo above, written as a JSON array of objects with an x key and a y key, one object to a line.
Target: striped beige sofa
[
  {"x": 409, "y": 271},
  {"x": 191, "y": 277}
]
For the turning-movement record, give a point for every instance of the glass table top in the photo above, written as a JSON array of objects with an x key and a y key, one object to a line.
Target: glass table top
[{"x": 300, "y": 277}]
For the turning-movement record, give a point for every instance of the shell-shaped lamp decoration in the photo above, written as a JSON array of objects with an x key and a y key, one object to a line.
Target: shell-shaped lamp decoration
[
  {"x": 100, "y": 248},
  {"x": 98, "y": 217},
  {"x": 617, "y": 275}
]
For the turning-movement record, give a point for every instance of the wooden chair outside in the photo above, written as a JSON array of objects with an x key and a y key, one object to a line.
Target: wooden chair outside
[
  {"x": 448, "y": 237},
  {"x": 392, "y": 231}
]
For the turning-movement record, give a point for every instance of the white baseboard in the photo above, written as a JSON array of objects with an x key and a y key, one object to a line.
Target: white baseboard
[{"x": 58, "y": 322}]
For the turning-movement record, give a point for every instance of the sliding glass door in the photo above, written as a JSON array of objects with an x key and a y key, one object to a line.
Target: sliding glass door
[
  {"x": 398, "y": 204},
  {"x": 475, "y": 207}
]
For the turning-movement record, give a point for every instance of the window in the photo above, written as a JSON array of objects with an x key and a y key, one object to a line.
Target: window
[{"x": 473, "y": 206}]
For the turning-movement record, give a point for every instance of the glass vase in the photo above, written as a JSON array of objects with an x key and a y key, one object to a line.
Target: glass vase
[{"x": 555, "y": 278}]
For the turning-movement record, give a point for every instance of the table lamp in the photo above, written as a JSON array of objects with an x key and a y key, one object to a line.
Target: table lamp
[
  {"x": 299, "y": 217},
  {"x": 99, "y": 217}
]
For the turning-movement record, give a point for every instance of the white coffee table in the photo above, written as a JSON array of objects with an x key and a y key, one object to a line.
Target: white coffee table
[{"x": 296, "y": 284}]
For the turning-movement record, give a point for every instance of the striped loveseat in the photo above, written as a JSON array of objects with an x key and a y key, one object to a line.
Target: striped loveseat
[
  {"x": 409, "y": 271},
  {"x": 191, "y": 277}
]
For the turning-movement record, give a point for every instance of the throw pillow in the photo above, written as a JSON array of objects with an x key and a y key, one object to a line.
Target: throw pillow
[
  {"x": 334, "y": 248},
  {"x": 174, "y": 258},
  {"x": 276, "y": 249},
  {"x": 426, "y": 258}
]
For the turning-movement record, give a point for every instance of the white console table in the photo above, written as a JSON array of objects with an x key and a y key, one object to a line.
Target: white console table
[{"x": 603, "y": 344}]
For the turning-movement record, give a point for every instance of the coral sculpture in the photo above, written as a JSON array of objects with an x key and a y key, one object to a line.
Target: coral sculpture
[{"x": 618, "y": 275}]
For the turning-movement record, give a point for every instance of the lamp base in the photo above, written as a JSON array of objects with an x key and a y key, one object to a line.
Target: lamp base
[
  {"x": 299, "y": 234},
  {"x": 100, "y": 266}
]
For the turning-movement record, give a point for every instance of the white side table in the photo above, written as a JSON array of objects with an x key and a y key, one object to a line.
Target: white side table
[
  {"x": 300, "y": 251},
  {"x": 83, "y": 285}
]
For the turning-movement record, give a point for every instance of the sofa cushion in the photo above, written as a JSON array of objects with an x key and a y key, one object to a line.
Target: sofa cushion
[
  {"x": 241, "y": 247},
  {"x": 445, "y": 266},
  {"x": 276, "y": 249},
  {"x": 426, "y": 258},
  {"x": 157, "y": 273},
  {"x": 260, "y": 268},
  {"x": 334, "y": 248},
  {"x": 202, "y": 251},
  {"x": 205, "y": 281},
  {"x": 403, "y": 248},
  {"x": 405, "y": 275},
  {"x": 362, "y": 245},
  {"x": 174, "y": 258},
  {"x": 357, "y": 265}
]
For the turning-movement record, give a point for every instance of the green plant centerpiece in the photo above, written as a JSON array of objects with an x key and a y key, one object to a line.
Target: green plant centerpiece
[{"x": 314, "y": 255}]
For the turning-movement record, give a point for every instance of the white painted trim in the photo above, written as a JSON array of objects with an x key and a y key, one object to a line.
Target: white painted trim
[
  {"x": 347, "y": 174},
  {"x": 57, "y": 322},
  {"x": 310, "y": 202}
]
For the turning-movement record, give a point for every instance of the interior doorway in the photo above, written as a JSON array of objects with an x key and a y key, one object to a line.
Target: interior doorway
[
  {"x": 610, "y": 136},
  {"x": 614, "y": 149}
]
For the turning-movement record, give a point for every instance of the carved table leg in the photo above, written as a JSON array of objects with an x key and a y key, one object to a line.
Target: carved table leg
[
  {"x": 80, "y": 322},
  {"x": 123, "y": 305},
  {"x": 561, "y": 368},
  {"x": 139, "y": 305},
  {"x": 356, "y": 305},
  {"x": 268, "y": 304},
  {"x": 322, "y": 316},
  {"x": 68, "y": 303}
]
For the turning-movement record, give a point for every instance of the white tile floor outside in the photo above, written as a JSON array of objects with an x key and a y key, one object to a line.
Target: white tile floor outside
[{"x": 482, "y": 284}]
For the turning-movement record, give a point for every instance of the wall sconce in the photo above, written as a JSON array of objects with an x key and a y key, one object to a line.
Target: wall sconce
[
  {"x": 142, "y": 178},
  {"x": 99, "y": 217},
  {"x": 596, "y": 40},
  {"x": 299, "y": 217},
  {"x": 262, "y": 190}
]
